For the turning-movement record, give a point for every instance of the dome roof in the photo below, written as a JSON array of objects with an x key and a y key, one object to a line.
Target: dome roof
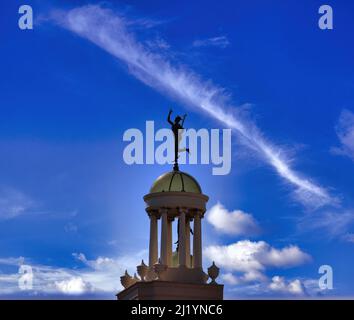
[{"x": 175, "y": 181}]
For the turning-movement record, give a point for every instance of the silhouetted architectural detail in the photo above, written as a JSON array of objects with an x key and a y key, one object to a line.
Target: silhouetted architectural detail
[
  {"x": 177, "y": 129},
  {"x": 174, "y": 275}
]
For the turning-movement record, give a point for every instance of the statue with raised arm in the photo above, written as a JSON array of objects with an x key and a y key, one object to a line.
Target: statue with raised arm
[{"x": 177, "y": 129}]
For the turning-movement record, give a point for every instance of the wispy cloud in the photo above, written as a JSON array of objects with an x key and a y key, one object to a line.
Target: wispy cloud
[
  {"x": 14, "y": 203},
  {"x": 349, "y": 237},
  {"x": 111, "y": 32},
  {"x": 331, "y": 224},
  {"x": 236, "y": 222},
  {"x": 345, "y": 133},
  {"x": 220, "y": 42},
  {"x": 99, "y": 277},
  {"x": 95, "y": 277},
  {"x": 157, "y": 43},
  {"x": 45, "y": 278},
  {"x": 71, "y": 227},
  {"x": 12, "y": 261},
  {"x": 277, "y": 287}
]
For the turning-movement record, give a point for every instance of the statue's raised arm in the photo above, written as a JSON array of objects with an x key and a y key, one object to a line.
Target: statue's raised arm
[
  {"x": 169, "y": 118},
  {"x": 184, "y": 118}
]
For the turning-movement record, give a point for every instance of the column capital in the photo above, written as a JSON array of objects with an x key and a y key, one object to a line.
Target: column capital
[
  {"x": 183, "y": 210},
  {"x": 153, "y": 213},
  {"x": 199, "y": 213},
  {"x": 163, "y": 210}
]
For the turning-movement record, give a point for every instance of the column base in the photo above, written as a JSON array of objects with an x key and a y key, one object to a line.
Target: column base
[{"x": 171, "y": 290}]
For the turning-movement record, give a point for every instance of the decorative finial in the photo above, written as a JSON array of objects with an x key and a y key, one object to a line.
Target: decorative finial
[
  {"x": 142, "y": 270},
  {"x": 213, "y": 272},
  {"x": 159, "y": 269},
  {"x": 126, "y": 280}
]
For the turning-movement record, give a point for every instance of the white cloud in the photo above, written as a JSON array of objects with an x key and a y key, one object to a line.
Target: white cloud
[
  {"x": 128, "y": 261},
  {"x": 111, "y": 33},
  {"x": 11, "y": 261},
  {"x": 220, "y": 41},
  {"x": 246, "y": 263},
  {"x": 97, "y": 264},
  {"x": 252, "y": 258},
  {"x": 229, "y": 278},
  {"x": 279, "y": 284},
  {"x": 14, "y": 203},
  {"x": 101, "y": 276},
  {"x": 45, "y": 278},
  {"x": 75, "y": 285},
  {"x": 97, "y": 276},
  {"x": 236, "y": 222},
  {"x": 103, "y": 273},
  {"x": 276, "y": 287},
  {"x": 253, "y": 275},
  {"x": 345, "y": 133},
  {"x": 287, "y": 257}
]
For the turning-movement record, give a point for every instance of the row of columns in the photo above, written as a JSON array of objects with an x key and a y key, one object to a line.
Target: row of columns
[{"x": 183, "y": 239}]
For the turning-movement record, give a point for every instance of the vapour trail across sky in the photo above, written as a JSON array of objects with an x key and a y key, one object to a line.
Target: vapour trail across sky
[{"x": 111, "y": 31}]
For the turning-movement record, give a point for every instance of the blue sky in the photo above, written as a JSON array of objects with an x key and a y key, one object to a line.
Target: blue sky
[{"x": 70, "y": 206}]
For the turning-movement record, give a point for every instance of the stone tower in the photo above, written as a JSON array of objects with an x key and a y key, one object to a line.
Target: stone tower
[{"x": 174, "y": 196}]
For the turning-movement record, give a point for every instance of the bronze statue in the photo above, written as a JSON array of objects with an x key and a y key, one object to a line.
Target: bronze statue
[
  {"x": 190, "y": 230},
  {"x": 177, "y": 129}
]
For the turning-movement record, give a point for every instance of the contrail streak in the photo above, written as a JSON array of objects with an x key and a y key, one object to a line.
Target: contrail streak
[{"x": 109, "y": 31}]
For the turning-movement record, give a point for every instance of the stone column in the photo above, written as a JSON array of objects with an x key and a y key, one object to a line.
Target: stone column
[
  {"x": 164, "y": 236},
  {"x": 182, "y": 237},
  {"x": 188, "y": 243},
  {"x": 169, "y": 242},
  {"x": 197, "y": 241},
  {"x": 153, "y": 239}
]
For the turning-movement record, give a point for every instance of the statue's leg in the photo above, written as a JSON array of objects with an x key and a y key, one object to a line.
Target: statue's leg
[
  {"x": 184, "y": 150},
  {"x": 176, "y": 150}
]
